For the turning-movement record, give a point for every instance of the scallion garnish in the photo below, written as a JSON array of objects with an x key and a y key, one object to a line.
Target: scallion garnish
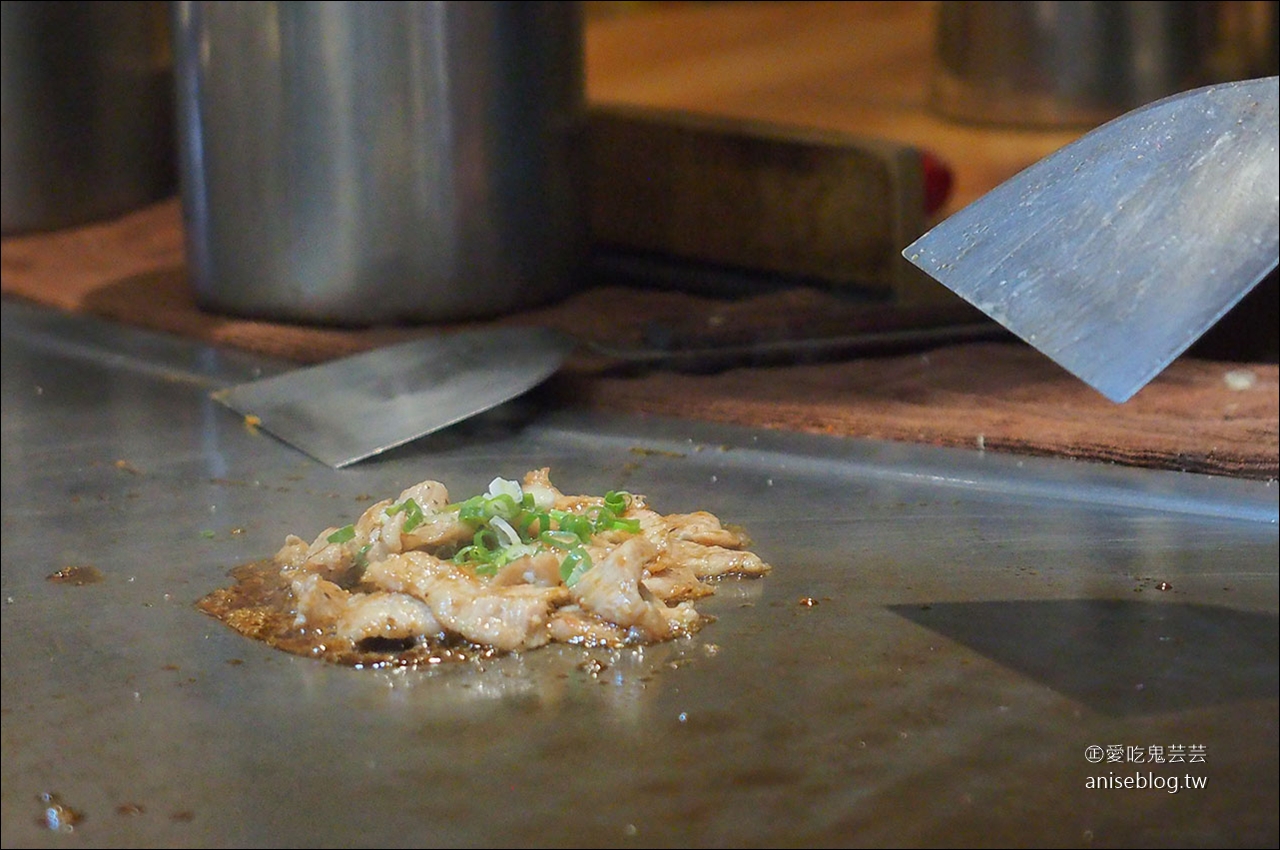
[
  {"x": 342, "y": 535},
  {"x": 617, "y": 501},
  {"x": 579, "y": 526},
  {"x": 510, "y": 524},
  {"x": 531, "y": 523},
  {"x": 486, "y": 539},
  {"x": 559, "y": 539},
  {"x": 574, "y": 565},
  {"x": 413, "y": 516},
  {"x": 510, "y": 537}
]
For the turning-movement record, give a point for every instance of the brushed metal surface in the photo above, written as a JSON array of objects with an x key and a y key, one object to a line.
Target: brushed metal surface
[
  {"x": 87, "y": 104},
  {"x": 1114, "y": 254},
  {"x": 980, "y": 621},
  {"x": 356, "y": 407},
  {"x": 366, "y": 163},
  {"x": 1053, "y": 64}
]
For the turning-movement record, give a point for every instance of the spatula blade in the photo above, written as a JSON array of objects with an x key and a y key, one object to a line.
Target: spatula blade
[
  {"x": 350, "y": 409},
  {"x": 1114, "y": 254}
]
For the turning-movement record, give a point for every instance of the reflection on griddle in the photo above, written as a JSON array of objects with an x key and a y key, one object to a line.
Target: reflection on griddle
[{"x": 1120, "y": 657}]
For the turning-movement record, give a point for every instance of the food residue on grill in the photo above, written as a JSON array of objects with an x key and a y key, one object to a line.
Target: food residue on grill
[
  {"x": 76, "y": 575},
  {"x": 57, "y": 815},
  {"x": 421, "y": 579}
]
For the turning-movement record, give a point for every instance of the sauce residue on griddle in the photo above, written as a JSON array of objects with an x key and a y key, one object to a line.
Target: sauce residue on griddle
[
  {"x": 77, "y": 575},
  {"x": 258, "y": 606}
]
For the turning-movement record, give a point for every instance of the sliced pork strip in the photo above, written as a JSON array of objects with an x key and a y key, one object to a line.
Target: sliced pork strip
[
  {"x": 713, "y": 561},
  {"x": 573, "y": 625},
  {"x": 506, "y": 618},
  {"x": 394, "y": 616},
  {"x": 537, "y": 482},
  {"x": 438, "y": 526},
  {"x": 703, "y": 527},
  {"x": 674, "y": 583},
  {"x": 541, "y": 570},
  {"x": 328, "y": 560},
  {"x": 293, "y": 554},
  {"x": 611, "y": 590},
  {"x": 317, "y": 601},
  {"x": 322, "y": 605}
]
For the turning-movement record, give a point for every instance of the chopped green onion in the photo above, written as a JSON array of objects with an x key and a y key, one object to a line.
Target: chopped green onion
[
  {"x": 480, "y": 509},
  {"x": 579, "y": 526},
  {"x": 502, "y": 505},
  {"x": 631, "y": 525},
  {"x": 472, "y": 513},
  {"x": 574, "y": 565},
  {"x": 413, "y": 516},
  {"x": 505, "y": 487},
  {"x": 342, "y": 535},
  {"x": 510, "y": 523},
  {"x": 509, "y": 536},
  {"x": 603, "y": 518},
  {"x": 559, "y": 539},
  {"x": 486, "y": 539},
  {"x": 617, "y": 501},
  {"x": 525, "y": 521}
]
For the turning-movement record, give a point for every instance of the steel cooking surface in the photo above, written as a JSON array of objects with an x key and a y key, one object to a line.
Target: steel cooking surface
[{"x": 953, "y": 647}]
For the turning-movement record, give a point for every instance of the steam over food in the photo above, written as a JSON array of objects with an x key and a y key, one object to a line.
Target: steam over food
[{"x": 420, "y": 578}]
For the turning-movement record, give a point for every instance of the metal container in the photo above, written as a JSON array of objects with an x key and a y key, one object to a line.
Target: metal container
[
  {"x": 87, "y": 111},
  {"x": 363, "y": 163},
  {"x": 1069, "y": 63}
]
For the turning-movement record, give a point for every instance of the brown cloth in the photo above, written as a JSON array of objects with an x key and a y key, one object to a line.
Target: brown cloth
[{"x": 1199, "y": 415}]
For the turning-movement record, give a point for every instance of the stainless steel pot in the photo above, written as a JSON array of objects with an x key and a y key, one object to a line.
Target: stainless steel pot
[
  {"x": 1062, "y": 64},
  {"x": 87, "y": 111},
  {"x": 361, "y": 163}
]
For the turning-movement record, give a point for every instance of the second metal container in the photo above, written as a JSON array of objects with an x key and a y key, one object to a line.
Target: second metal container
[
  {"x": 1055, "y": 64},
  {"x": 87, "y": 112},
  {"x": 358, "y": 163}
]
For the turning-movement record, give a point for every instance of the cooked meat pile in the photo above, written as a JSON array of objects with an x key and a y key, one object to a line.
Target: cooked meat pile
[{"x": 419, "y": 578}]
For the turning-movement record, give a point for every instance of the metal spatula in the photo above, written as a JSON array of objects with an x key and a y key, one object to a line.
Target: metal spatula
[
  {"x": 346, "y": 410},
  {"x": 1114, "y": 254},
  {"x": 350, "y": 409}
]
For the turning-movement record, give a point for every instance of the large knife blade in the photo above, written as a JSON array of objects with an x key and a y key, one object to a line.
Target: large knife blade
[{"x": 1115, "y": 253}]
